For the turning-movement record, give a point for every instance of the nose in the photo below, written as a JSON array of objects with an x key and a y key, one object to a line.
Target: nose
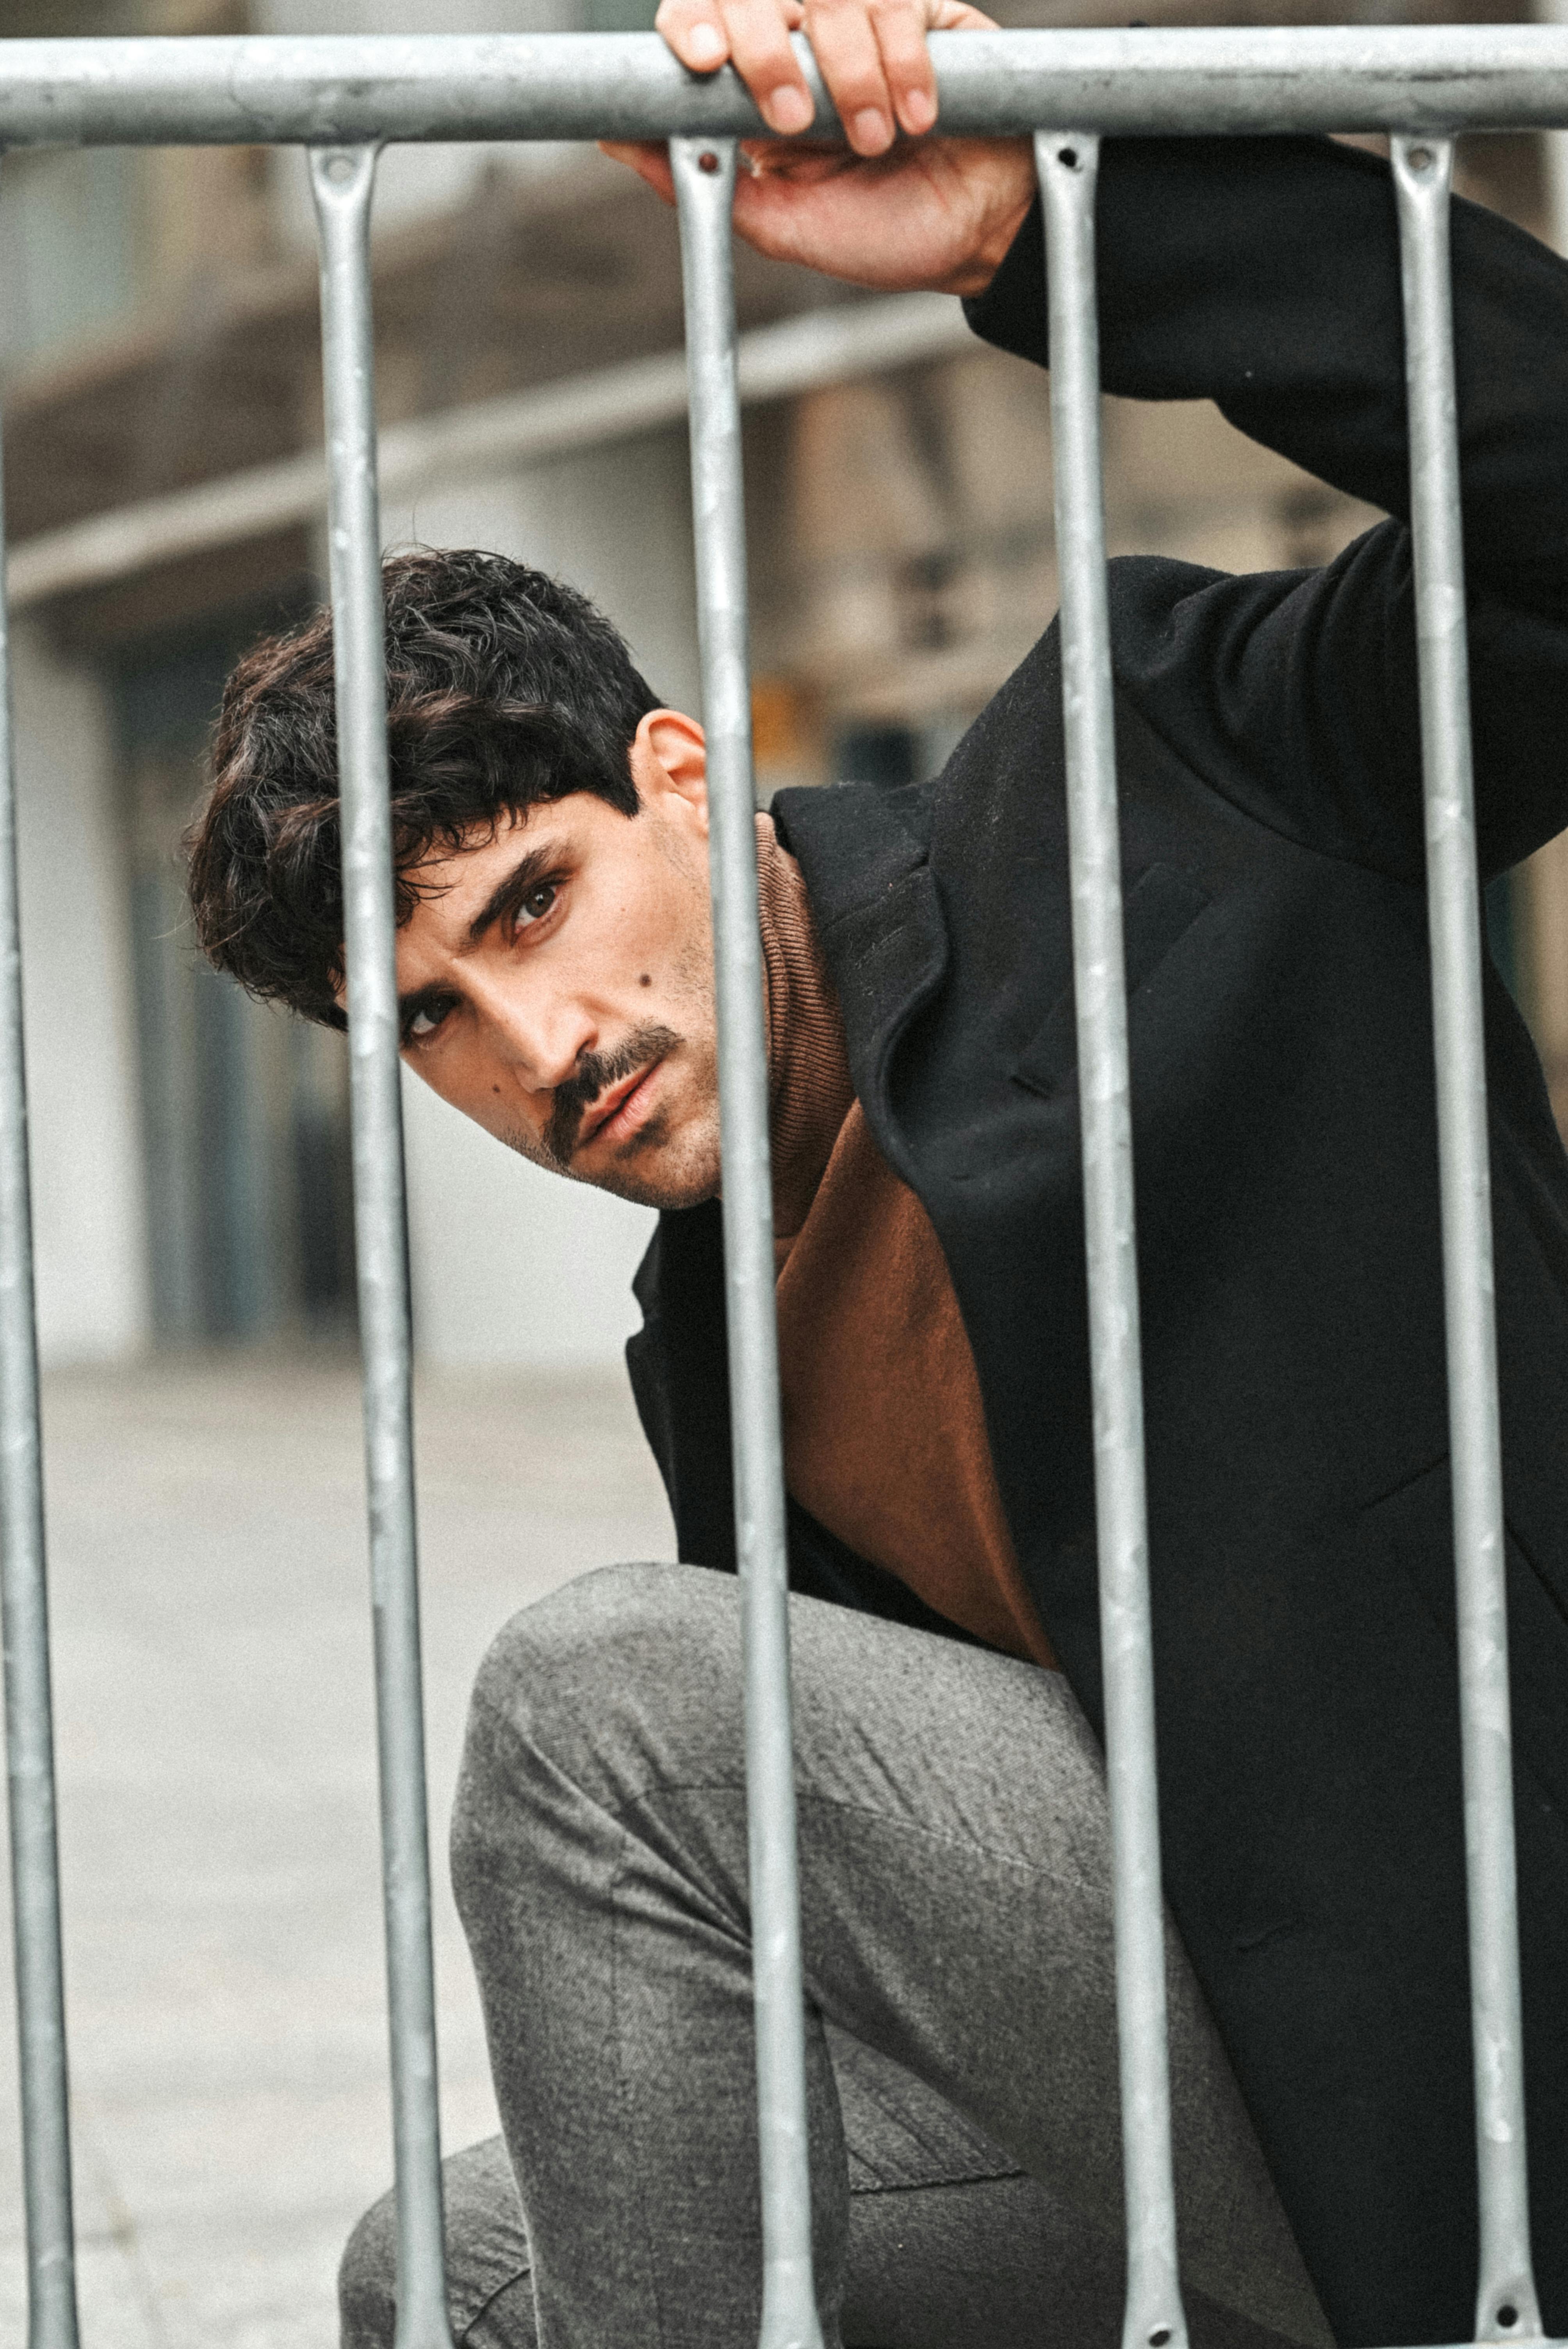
[{"x": 542, "y": 1038}]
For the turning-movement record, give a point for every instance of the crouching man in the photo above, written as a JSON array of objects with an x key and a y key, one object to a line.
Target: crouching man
[{"x": 555, "y": 974}]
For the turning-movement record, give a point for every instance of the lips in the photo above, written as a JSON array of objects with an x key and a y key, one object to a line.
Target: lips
[{"x": 609, "y": 1105}]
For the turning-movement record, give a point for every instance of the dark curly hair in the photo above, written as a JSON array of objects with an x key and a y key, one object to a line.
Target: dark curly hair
[{"x": 503, "y": 688}]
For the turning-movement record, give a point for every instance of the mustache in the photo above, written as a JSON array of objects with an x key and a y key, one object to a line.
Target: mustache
[{"x": 595, "y": 1073}]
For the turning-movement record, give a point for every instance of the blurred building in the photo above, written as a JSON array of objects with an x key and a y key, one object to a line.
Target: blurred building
[{"x": 159, "y": 348}]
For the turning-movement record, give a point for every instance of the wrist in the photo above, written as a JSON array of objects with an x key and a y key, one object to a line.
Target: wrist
[{"x": 1009, "y": 196}]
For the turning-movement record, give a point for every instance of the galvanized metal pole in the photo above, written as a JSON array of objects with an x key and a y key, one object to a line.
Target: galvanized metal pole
[
  {"x": 254, "y": 90},
  {"x": 25, "y": 1611},
  {"x": 1506, "y": 2306},
  {"x": 1067, "y": 164},
  {"x": 705, "y": 188},
  {"x": 342, "y": 182}
]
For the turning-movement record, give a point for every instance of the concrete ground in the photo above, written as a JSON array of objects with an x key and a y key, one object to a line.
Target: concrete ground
[{"x": 214, "y": 1727}]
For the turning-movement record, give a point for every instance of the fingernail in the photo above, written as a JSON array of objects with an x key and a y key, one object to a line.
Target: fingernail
[
  {"x": 704, "y": 44},
  {"x": 869, "y": 128},
  {"x": 787, "y": 108},
  {"x": 919, "y": 111}
]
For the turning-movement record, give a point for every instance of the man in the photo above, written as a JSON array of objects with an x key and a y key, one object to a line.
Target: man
[{"x": 555, "y": 972}]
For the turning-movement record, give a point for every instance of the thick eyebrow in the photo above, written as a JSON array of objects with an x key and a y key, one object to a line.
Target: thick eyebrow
[{"x": 534, "y": 865}]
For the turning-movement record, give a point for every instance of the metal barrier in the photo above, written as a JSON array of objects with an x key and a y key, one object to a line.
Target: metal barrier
[{"x": 342, "y": 98}]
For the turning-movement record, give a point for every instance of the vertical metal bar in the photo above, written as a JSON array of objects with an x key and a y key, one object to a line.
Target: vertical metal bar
[
  {"x": 1506, "y": 2306},
  {"x": 705, "y": 187},
  {"x": 341, "y": 183},
  {"x": 24, "y": 1612},
  {"x": 1067, "y": 164}
]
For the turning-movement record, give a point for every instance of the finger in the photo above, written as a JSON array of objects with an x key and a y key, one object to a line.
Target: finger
[
  {"x": 694, "y": 31},
  {"x": 650, "y": 158},
  {"x": 753, "y": 35},
  {"x": 846, "y": 50},
  {"x": 899, "y": 26},
  {"x": 759, "y": 34}
]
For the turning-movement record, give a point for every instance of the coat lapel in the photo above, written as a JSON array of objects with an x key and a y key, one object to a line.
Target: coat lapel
[{"x": 864, "y": 852}]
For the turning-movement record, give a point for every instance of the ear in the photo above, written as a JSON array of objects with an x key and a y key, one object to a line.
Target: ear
[{"x": 669, "y": 761}]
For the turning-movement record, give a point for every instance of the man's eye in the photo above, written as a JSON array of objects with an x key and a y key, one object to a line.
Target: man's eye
[
  {"x": 423, "y": 1022},
  {"x": 537, "y": 904}
]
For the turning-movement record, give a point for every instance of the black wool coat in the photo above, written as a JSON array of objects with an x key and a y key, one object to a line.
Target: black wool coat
[{"x": 1286, "y": 1174}]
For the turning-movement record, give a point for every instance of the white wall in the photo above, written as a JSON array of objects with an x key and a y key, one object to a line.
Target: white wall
[
  {"x": 511, "y": 1265},
  {"x": 1555, "y": 11},
  {"x": 1557, "y": 178},
  {"x": 80, "y": 1020}
]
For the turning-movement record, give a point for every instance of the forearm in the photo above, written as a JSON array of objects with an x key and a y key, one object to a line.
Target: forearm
[{"x": 1263, "y": 275}]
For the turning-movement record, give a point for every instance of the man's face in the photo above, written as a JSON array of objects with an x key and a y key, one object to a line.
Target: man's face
[{"x": 556, "y": 982}]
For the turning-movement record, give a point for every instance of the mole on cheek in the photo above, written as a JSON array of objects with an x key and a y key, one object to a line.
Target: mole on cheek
[{"x": 644, "y": 980}]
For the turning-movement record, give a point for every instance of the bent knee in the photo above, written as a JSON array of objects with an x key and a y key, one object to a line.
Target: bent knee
[
  {"x": 490, "y": 2288},
  {"x": 569, "y": 1661},
  {"x": 604, "y": 1686}
]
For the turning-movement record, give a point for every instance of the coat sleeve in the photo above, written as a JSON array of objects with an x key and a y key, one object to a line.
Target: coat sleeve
[{"x": 1263, "y": 275}]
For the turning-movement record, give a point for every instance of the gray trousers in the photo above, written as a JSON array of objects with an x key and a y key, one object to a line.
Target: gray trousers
[{"x": 961, "y": 2041}]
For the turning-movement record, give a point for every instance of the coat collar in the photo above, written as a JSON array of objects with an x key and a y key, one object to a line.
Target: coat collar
[{"x": 864, "y": 852}]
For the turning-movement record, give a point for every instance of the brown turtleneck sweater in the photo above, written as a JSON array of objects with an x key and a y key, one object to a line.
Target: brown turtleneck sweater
[{"x": 884, "y": 1433}]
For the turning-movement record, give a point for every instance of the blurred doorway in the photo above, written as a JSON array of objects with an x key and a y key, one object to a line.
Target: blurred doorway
[{"x": 244, "y": 1109}]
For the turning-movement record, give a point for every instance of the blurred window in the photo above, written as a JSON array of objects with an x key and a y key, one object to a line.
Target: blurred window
[{"x": 71, "y": 257}]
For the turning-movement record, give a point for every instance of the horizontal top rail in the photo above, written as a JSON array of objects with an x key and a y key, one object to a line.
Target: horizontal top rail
[{"x": 202, "y": 91}]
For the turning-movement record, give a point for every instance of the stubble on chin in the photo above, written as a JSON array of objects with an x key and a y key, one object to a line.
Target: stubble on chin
[
  {"x": 671, "y": 1163},
  {"x": 648, "y": 1181},
  {"x": 650, "y": 1175},
  {"x": 666, "y": 1165}
]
